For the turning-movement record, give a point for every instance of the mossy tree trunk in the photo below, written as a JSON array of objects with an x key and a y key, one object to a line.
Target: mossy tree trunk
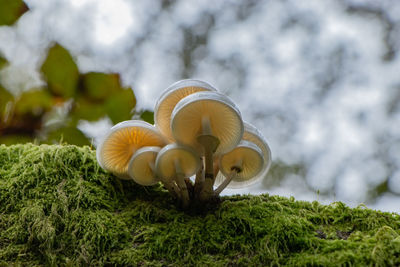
[{"x": 58, "y": 207}]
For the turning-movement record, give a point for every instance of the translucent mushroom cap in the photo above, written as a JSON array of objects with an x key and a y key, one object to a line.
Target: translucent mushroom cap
[
  {"x": 170, "y": 97},
  {"x": 247, "y": 158},
  {"x": 225, "y": 121},
  {"x": 186, "y": 157},
  {"x": 122, "y": 141},
  {"x": 141, "y": 167},
  {"x": 253, "y": 135}
]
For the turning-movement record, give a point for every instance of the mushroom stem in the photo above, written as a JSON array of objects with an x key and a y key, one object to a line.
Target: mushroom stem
[
  {"x": 176, "y": 189},
  {"x": 216, "y": 168},
  {"x": 231, "y": 176},
  {"x": 205, "y": 125},
  {"x": 198, "y": 182},
  {"x": 180, "y": 179},
  {"x": 173, "y": 189},
  {"x": 210, "y": 144}
]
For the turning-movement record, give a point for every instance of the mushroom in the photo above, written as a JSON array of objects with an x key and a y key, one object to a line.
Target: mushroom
[
  {"x": 210, "y": 122},
  {"x": 241, "y": 164},
  {"x": 176, "y": 162},
  {"x": 171, "y": 96},
  {"x": 141, "y": 169},
  {"x": 122, "y": 141},
  {"x": 253, "y": 135}
]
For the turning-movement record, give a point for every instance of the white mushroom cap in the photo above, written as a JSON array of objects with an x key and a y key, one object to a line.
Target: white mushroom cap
[
  {"x": 188, "y": 159},
  {"x": 141, "y": 167},
  {"x": 253, "y": 135},
  {"x": 225, "y": 121},
  {"x": 170, "y": 97},
  {"x": 247, "y": 158},
  {"x": 122, "y": 141}
]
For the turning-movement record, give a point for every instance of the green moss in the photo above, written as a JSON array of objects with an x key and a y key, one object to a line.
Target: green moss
[{"x": 58, "y": 207}]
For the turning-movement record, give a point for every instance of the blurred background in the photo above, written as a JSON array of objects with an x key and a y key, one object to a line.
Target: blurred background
[{"x": 320, "y": 79}]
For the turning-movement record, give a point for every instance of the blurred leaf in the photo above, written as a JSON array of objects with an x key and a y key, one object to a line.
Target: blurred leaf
[
  {"x": 3, "y": 61},
  {"x": 119, "y": 105},
  {"x": 84, "y": 109},
  {"x": 70, "y": 135},
  {"x": 11, "y": 10},
  {"x": 35, "y": 103},
  {"x": 60, "y": 72},
  {"x": 147, "y": 116},
  {"x": 35, "y": 112},
  {"x": 98, "y": 86}
]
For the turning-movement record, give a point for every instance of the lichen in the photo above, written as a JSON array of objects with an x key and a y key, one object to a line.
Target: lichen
[{"x": 58, "y": 207}]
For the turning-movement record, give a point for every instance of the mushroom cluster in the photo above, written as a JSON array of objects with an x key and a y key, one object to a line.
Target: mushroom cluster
[{"x": 198, "y": 146}]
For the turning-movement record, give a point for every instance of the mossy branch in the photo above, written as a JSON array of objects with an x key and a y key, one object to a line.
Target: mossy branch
[{"x": 58, "y": 207}]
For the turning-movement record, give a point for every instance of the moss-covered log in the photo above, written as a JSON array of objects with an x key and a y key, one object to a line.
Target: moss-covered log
[{"x": 58, "y": 207}]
